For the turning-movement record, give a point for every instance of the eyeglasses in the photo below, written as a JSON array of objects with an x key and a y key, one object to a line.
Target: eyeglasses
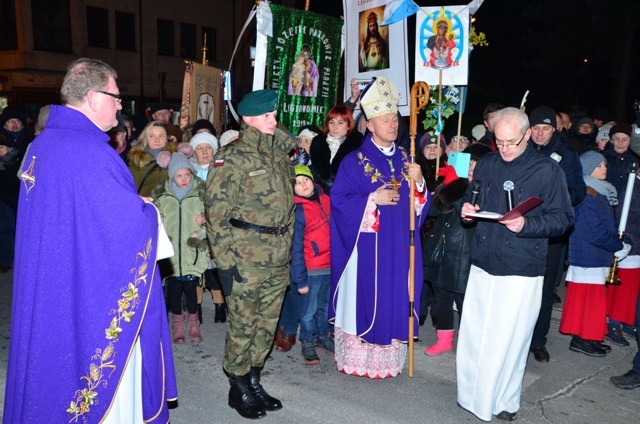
[
  {"x": 503, "y": 143},
  {"x": 462, "y": 139},
  {"x": 118, "y": 97}
]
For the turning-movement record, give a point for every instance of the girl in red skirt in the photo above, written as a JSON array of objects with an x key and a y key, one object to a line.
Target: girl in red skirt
[{"x": 592, "y": 245}]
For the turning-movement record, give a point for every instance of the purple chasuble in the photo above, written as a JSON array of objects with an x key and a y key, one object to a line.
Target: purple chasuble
[
  {"x": 86, "y": 285},
  {"x": 382, "y": 298}
]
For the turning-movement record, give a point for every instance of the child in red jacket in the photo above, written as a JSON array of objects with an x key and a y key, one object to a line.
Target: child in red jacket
[{"x": 310, "y": 264}]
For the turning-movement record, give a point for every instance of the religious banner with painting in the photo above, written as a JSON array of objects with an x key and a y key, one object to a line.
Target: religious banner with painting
[
  {"x": 303, "y": 65},
  {"x": 373, "y": 50},
  {"x": 202, "y": 91},
  {"x": 442, "y": 44}
]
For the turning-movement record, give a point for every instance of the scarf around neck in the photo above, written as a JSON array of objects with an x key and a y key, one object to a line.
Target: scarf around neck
[
  {"x": 602, "y": 187},
  {"x": 154, "y": 152},
  {"x": 180, "y": 193},
  {"x": 334, "y": 144}
]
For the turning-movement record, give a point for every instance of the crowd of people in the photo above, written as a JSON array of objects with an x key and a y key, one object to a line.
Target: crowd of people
[{"x": 291, "y": 235}]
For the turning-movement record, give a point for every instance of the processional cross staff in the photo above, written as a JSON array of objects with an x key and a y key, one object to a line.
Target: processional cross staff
[{"x": 419, "y": 100}]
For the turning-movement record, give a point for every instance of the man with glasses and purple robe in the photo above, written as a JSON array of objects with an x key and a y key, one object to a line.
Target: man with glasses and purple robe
[
  {"x": 89, "y": 339},
  {"x": 507, "y": 267}
]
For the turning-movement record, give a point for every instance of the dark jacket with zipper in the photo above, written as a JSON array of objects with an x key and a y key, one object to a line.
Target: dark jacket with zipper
[
  {"x": 497, "y": 250},
  {"x": 569, "y": 162},
  {"x": 452, "y": 273},
  {"x": 310, "y": 251},
  {"x": 594, "y": 240}
]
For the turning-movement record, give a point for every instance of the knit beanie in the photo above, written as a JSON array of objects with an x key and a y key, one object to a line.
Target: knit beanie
[
  {"x": 620, "y": 128},
  {"x": 584, "y": 120},
  {"x": 478, "y": 131},
  {"x": 203, "y": 124},
  {"x": 204, "y": 138},
  {"x": 542, "y": 115},
  {"x": 228, "y": 136},
  {"x": 307, "y": 133},
  {"x": 604, "y": 132},
  {"x": 590, "y": 160},
  {"x": 303, "y": 170},
  {"x": 431, "y": 139},
  {"x": 179, "y": 161}
]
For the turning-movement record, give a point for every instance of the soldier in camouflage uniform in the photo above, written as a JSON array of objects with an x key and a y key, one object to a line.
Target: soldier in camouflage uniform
[{"x": 250, "y": 213}]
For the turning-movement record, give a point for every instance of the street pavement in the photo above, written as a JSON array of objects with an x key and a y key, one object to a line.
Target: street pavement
[{"x": 571, "y": 388}]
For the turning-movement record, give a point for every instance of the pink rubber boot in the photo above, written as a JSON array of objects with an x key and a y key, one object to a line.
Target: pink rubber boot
[
  {"x": 178, "y": 328},
  {"x": 444, "y": 343},
  {"x": 194, "y": 328}
]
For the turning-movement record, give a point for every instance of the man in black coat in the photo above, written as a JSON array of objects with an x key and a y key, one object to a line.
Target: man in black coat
[
  {"x": 550, "y": 142},
  {"x": 508, "y": 261}
]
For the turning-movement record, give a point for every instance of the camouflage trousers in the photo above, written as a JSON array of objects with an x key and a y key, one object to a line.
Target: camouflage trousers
[{"x": 253, "y": 310}]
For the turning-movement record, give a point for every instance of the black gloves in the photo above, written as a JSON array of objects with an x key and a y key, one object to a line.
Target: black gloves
[{"x": 226, "y": 279}]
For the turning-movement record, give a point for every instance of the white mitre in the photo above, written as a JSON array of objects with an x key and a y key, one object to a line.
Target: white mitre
[{"x": 379, "y": 98}]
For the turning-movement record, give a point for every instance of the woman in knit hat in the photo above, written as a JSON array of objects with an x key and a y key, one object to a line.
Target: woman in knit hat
[
  {"x": 448, "y": 273},
  {"x": 205, "y": 146},
  {"x": 582, "y": 136},
  {"x": 203, "y": 125},
  {"x": 592, "y": 246},
  {"x": 426, "y": 158},
  {"x": 181, "y": 205},
  {"x": 619, "y": 162}
]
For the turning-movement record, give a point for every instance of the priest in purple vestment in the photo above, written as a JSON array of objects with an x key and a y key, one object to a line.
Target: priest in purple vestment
[
  {"x": 370, "y": 243},
  {"x": 89, "y": 339}
]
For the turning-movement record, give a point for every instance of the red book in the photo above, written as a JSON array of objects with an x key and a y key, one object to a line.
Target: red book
[{"x": 520, "y": 210}]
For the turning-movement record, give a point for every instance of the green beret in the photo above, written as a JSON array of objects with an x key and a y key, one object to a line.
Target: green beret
[{"x": 258, "y": 103}]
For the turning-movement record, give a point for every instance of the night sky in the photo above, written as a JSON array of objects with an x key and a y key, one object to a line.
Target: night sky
[{"x": 505, "y": 69}]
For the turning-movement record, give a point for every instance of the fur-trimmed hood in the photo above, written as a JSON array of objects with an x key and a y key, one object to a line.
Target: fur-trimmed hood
[
  {"x": 445, "y": 196},
  {"x": 139, "y": 157}
]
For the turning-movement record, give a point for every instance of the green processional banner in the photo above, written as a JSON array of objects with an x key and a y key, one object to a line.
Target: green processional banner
[{"x": 303, "y": 65}]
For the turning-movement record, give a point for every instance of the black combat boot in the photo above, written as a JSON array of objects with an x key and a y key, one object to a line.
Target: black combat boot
[
  {"x": 241, "y": 399},
  {"x": 261, "y": 396},
  {"x": 220, "y": 312}
]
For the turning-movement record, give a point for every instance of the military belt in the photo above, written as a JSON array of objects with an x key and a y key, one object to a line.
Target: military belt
[{"x": 280, "y": 230}]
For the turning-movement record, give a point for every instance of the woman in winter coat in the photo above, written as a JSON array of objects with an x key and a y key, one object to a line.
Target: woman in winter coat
[
  {"x": 592, "y": 246},
  {"x": 328, "y": 149},
  {"x": 148, "y": 160},
  {"x": 205, "y": 145},
  {"x": 180, "y": 201},
  {"x": 449, "y": 273}
]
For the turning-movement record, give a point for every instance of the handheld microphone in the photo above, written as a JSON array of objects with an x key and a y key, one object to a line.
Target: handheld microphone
[
  {"x": 475, "y": 192},
  {"x": 508, "y": 188}
]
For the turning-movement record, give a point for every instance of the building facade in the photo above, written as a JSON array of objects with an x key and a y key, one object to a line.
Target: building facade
[{"x": 146, "y": 41}]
